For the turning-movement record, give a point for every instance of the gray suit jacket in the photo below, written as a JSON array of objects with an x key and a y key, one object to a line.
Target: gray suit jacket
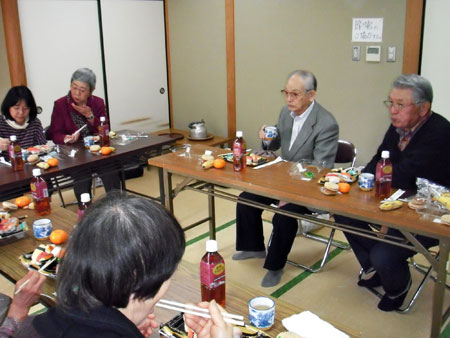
[{"x": 317, "y": 140}]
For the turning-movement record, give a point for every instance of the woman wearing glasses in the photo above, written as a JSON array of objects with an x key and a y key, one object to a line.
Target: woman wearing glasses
[{"x": 71, "y": 112}]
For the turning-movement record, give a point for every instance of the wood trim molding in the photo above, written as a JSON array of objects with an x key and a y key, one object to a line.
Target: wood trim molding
[
  {"x": 413, "y": 36},
  {"x": 231, "y": 67},
  {"x": 169, "y": 71},
  {"x": 13, "y": 39}
]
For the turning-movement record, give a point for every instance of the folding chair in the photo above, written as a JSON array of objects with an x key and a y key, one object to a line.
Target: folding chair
[
  {"x": 346, "y": 153},
  {"x": 427, "y": 274}
]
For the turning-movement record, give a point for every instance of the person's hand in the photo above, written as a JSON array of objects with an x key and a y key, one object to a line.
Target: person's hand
[
  {"x": 215, "y": 327},
  {"x": 148, "y": 325},
  {"x": 4, "y": 144},
  {"x": 261, "y": 132},
  {"x": 27, "y": 296},
  {"x": 71, "y": 138},
  {"x": 84, "y": 110}
]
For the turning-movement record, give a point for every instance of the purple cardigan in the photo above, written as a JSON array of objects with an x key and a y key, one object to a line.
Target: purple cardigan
[{"x": 62, "y": 123}]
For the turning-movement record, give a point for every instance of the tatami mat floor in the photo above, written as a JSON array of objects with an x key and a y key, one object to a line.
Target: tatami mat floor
[{"x": 332, "y": 293}]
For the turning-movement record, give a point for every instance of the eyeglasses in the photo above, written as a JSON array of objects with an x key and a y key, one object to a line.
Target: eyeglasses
[
  {"x": 294, "y": 95},
  {"x": 81, "y": 90},
  {"x": 399, "y": 106}
]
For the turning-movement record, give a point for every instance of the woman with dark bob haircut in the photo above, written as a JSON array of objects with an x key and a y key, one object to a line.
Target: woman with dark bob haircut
[
  {"x": 118, "y": 264},
  {"x": 19, "y": 118}
]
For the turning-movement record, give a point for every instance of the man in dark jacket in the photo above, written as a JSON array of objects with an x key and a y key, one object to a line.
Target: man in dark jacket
[{"x": 418, "y": 143}]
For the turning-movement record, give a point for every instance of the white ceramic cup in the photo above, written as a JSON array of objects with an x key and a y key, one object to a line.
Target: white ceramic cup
[{"x": 261, "y": 312}]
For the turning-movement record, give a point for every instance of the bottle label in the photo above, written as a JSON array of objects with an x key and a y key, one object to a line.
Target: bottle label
[
  {"x": 212, "y": 275},
  {"x": 387, "y": 169},
  {"x": 15, "y": 151},
  {"x": 39, "y": 190},
  {"x": 238, "y": 149}
]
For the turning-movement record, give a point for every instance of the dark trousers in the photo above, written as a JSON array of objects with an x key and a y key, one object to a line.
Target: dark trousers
[
  {"x": 388, "y": 260},
  {"x": 83, "y": 184},
  {"x": 249, "y": 230}
]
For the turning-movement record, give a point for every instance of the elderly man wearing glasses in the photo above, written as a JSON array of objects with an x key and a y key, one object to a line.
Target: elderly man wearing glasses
[
  {"x": 418, "y": 143},
  {"x": 306, "y": 130}
]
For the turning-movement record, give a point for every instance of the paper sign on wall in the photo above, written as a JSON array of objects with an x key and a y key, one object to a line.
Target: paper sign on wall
[{"x": 367, "y": 30}]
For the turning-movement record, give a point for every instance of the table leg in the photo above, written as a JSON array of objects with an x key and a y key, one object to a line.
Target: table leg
[
  {"x": 439, "y": 289},
  {"x": 211, "y": 212},
  {"x": 167, "y": 201},
  {"x": 162, "y": 194}
]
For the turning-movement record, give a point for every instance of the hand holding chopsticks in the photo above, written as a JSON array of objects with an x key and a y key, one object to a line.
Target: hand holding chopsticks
[{"x": 200, "y": 312}]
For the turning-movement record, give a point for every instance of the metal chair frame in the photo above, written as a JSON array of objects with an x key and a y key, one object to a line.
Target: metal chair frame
[
  {"x": 427, "y": 274},
  {"x": 346, "y": 153}
]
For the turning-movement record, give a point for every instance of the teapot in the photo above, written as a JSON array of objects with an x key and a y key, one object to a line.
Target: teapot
[{"x": 197, "y": 130}]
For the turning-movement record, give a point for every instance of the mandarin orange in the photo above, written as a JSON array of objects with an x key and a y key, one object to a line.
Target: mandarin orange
[{"x": 58, "y": 236}]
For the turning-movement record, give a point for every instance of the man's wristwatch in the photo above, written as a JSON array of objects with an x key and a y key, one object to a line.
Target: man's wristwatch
[{"x": 91, "y": 117}]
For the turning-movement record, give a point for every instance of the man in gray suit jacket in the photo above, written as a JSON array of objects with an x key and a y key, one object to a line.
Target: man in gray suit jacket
[{"x": 306, "y": 131}]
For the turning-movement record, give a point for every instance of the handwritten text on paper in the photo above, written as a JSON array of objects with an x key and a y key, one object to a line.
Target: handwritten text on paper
[{"x": 367, "y": 30}]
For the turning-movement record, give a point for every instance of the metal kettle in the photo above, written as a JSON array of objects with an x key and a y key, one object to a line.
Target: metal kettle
[{"x": 198, "y": 130}]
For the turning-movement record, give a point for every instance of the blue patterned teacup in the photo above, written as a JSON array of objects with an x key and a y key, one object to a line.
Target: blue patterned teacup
[{"x": 261, "y": 312}]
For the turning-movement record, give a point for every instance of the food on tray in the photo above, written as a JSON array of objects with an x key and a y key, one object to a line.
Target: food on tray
[
  {"x": 11, "y": 225},
  {"x": 33, "y": 158},
  {"x": 391, "y": 205},
  {"x": 175, "y": 328},
  {"x": 417, "y": 203},
  {"x": 94, "y": 148},
  {"x": 254, "y": 160},
  {"x": 445, "y": 219},
  {"x": 339, "y": 175},
  {"x": 42, "y": 255},
  {"x": 22, "y": 201},
  {"x": 329, "y": 188},
  {"x": 41, "y": 149},
  {"x": 207, "y": 157},
  {"x": 112, "y": 134}
]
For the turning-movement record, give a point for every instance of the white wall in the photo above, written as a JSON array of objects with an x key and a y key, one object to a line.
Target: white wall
[{"x": 436, "y": 53}]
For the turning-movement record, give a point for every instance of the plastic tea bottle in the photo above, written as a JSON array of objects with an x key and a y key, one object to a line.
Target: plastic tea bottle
[
  {"x": 15, "y": 154},
  {"x": 39, "y": 192},
  {"x": 85, "y": 203},
  {"x": 383, "y": 176},
  {"x": 212, "y": 274},
  {"x": 239, "y": 152},
  {"x": 103, "y": 129}
]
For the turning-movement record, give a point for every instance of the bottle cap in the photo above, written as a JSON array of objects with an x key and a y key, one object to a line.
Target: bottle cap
[
  {"x": 102, "y": 119},
  {"x": 211, "y": 245},
  {"x": 239, "y": 133},
  {"x": 85, "y": 197},
  {"x": 37, "y": 172},
  {"x": 385, "y": 154},
  {"x": 13, "y": 138}
]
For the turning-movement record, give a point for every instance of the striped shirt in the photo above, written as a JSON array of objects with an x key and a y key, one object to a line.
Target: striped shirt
[{"x": 28, "y": 137}]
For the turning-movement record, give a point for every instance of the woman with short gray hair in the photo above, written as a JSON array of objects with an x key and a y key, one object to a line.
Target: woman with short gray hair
[{"x": 74, "y": 110}]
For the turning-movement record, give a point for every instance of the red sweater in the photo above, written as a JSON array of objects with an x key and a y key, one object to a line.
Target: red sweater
[{"x": 62, "y": 123}]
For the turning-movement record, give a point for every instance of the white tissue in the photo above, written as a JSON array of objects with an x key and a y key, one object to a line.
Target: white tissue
[{"x": 309, "y": 325}]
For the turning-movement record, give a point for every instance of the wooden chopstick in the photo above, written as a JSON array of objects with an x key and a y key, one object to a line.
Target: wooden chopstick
[
  {"x": 22, "y": 286},
  {"x": 198, "y": 311}
]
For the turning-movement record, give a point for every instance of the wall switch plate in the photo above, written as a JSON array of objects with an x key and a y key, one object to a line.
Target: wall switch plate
[
  {"x": 356, "y": 53},
  {"x": 391, "y": 54}
]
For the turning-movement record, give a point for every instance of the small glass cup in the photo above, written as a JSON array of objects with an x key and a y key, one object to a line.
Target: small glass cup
[{"x": 261, "y": 312}]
